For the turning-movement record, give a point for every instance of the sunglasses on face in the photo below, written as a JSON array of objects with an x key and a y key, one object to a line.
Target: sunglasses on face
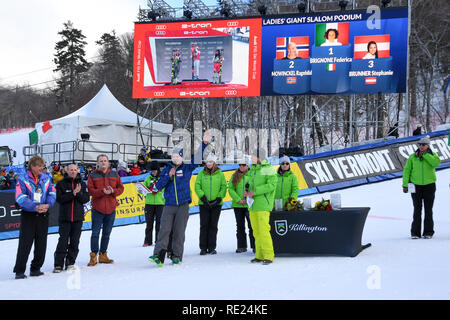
[
  {"x": 422, "y": 144},
  {"x": 285, "y": 163},
  {"x": 242, "y": 165}
]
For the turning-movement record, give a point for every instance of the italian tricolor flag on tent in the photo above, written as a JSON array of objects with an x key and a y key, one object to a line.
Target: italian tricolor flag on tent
[{"x": 342, "y": 29}]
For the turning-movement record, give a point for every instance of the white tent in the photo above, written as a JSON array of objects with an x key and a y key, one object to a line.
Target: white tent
[{"x": 111, "y": 128}]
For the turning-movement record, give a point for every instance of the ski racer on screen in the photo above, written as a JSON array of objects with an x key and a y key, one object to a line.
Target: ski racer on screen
[
  {"x": 218, "y": 63},
  {"x": 176, "y": 60},
  {"x": 195, "y": 62}
]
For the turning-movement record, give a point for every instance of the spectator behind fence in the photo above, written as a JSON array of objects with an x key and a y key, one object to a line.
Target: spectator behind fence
[
  {"x": 3, "y": 183},
  {"x": 87, "y": 171},
  {"x": 135, "y": 170},
  {"x": 57, "y": 174},
  {"x": 418, "y": 130},
  {"x": 123, "y": 170},
  {"x": 35, "y": 194}
]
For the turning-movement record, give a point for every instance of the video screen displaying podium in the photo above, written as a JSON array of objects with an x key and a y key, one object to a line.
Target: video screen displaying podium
[
  {"x": 351, "y": 52},
  {"x": 303, "y": 57}
]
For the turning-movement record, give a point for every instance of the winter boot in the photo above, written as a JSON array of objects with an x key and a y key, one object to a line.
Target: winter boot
[
  {"x": 103, "y": 258},
  {"x": 156, "y": 260},
  {"x": 58, "y": 269},
  {"x": 93, "y": 260}
]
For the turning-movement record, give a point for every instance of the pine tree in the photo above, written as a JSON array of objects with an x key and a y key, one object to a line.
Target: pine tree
[
  {"x": 112, "y": 64},
  {"x": 70, "y": 63}
]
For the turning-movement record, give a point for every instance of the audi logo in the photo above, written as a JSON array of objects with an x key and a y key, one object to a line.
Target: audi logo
[
  {"x": 161, "y": 27},
  {"x": 232, "y": 23},
  {"x": 160, "y": 33},
  {"x": 159, "y": 94},
  {"x": 231, "y": 92}
]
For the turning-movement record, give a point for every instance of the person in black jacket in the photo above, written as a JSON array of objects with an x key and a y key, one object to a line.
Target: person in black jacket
[{"x": 71, "y": 194}]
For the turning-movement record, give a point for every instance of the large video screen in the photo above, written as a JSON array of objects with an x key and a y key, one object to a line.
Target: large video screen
[
  {"x": 347, "y": 52},
  {"x": 339, "y": 53},
  {"x": 197, "y": 59}
]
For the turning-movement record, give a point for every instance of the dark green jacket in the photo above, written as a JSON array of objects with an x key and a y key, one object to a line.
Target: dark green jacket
[
  {"x": 211, "y": 186},
  {"x": 263, "y": 181},
  {"x": 287, "y": 186},
  {"x": 421, "y": 170},
  {"x": 237, "y": 192}
]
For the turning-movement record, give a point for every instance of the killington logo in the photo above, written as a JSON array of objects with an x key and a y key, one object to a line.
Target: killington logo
[{"x": 281, "y": 227}]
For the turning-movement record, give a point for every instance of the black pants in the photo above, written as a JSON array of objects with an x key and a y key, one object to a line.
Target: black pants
[
  {"x": 67, "y": 248},
  {"x": 423, "y": 194},
  {"x": 152, "y": 212},
  {"x": 33, "y": 228},
  {"x": 209, "y": 220},
  {"x": 241, "y": 215}
]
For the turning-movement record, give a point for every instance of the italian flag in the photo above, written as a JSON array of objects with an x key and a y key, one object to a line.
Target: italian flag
[
  {"x": 341, "y": 27},
  {"x": 331, "y": 67},
  {"x": 383, "y": 42}
]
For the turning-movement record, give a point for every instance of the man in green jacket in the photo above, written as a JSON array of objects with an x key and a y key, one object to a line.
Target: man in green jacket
[
  {"x": 287, "y": 183},
  {"x": 420, "y": 169},
  {"x": 261, "y": 189},
  {"x": 211, "y": 188}
]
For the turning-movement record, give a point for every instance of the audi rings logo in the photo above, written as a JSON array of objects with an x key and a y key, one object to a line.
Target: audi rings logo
[
  {"x": 161, "y": 27},
  {"x": 159, "y": 94},
  {"x": 231, "y": 92},
  {"x": 232, "y": 23},
  {"x": 160, "y": 33}
]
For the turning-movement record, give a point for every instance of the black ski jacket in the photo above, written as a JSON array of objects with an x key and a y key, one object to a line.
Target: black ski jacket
[{"x": 71, "y": 208}]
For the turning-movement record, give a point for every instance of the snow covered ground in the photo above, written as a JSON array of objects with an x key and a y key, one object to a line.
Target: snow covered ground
[{"x": 394, "y": 267}]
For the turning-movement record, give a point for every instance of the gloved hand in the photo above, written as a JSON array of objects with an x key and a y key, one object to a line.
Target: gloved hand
[
  {"x": 429, "y": 151},
  {"x": 219, "y": 200},
  {"x": 205, "y": 201},
  {"x": 405, "y": 189}
]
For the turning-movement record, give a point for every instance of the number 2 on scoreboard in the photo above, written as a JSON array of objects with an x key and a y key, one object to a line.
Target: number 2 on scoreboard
[{"x": 291, "y": 64}]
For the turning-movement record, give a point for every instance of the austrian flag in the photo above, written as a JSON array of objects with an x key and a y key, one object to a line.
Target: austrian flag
[{"x": 371, "y": 80}]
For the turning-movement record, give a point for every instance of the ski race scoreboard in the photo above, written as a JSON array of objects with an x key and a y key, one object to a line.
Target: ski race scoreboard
[{"x": 351, "y": 52}]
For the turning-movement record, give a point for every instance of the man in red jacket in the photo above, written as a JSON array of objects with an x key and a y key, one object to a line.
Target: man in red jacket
[{"x": 104, "y": 186}]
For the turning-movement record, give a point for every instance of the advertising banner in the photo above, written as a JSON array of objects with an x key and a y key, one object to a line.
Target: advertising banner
[{"x": 366, "y": 163}]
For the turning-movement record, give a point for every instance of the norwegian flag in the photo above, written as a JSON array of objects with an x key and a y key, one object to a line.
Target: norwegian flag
[
  {"x": 291, "y": 80},
  {"x": 383, "y": 42},
  {"x": 302, "y": 44},
  {"x": 371, "y": 80}
]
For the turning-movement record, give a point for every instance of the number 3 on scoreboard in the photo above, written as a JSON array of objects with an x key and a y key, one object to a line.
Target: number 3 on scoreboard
[
  {"x": 370, "y": 63},
  {"x": 330, "y": 51},
  {"x": 291, "y": 64}
]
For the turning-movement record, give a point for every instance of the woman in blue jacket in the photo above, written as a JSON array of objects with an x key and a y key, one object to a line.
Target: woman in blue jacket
[{"x": 35, "y": 194}]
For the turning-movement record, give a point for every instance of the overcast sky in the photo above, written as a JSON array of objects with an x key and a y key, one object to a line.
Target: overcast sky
[{"x": 29, "y": 32}]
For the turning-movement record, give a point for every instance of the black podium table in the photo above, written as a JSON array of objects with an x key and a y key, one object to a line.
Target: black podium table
[{"x": 334, "y": 232}]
